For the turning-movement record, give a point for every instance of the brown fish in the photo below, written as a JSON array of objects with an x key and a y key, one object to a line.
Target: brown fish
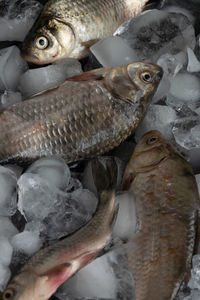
[
  {"x": 51, "y": 266},
  {"x": 167, "y": 205},
  {"x": 85, "y": 116},
  {"x": 67, "y": 28}
]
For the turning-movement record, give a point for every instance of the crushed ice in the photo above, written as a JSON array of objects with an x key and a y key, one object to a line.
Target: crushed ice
[{"x": 54, "y": 200}]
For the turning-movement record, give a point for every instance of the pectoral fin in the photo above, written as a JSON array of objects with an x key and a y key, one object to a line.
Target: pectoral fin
[{"x": 49, "y": 282}]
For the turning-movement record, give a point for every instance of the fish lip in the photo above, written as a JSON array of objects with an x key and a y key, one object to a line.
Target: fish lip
[{"x": 149, "y": 167}]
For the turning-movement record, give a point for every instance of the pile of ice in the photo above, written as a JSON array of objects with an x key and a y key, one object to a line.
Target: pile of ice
[{"x": 48, "y": 200}]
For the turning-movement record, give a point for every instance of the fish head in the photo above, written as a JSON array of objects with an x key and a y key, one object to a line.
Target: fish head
[
  {"x": 151, "y": 151},
  {"x": 48, "y": 41},
  {"x": 28, "y": 285},
  {"x": 135, "y": 82}
]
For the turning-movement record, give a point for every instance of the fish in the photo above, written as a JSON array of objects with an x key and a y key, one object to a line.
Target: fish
[
  {"x": 53, "y": 265},
  {"x": 67, "y": 28},
  {"x": 84, "y": 117},
  {"x": 167, "y": 210}
]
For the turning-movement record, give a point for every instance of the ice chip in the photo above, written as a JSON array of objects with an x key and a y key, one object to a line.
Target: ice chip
[
  {"x": 6, "y": 251},
  {"x": 11, "y": 67},
  {"x": 198, "y": 181},
  {"x": 157, "y": 32},
  {"x": 9, "y": 98},
  {"x": 7, "y": 228},
  {"x": 162, "y": 90},
  {"x": 5, "y": 275},
  {"x": 53, "y": 169},
  {"x": 158, "y": 117},
  {"x": 17, "y": 18},
  {"x": 193, "y": 62},
  {"x": 27, "y": 242},
  {"x": 126, "y": 219},
  {"x": 186, "y": 87},
  {"x": 36, "y": 80},
  {"x": 8, "y": 195},
  {"x": 113, "y": 51}
]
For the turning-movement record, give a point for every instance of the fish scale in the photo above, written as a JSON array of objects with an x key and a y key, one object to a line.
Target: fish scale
[
  {"x": 78, "y": 119},
  {"x": 167, "y": 205}
]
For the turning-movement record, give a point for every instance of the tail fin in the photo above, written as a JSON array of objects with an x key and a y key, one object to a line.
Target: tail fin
[{"x": 105, "y": 178}]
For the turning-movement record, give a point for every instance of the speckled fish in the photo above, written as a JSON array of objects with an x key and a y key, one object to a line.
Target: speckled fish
[
  {"x": 167, "y": 205},
  {"x": 53, "y": 265},
  {"x": 67, "y": 28},
  {"x": 85, "y": 116}
]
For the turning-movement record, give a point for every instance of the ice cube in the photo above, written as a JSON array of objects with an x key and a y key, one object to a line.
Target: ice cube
[
  {"x": 11, "y": 67},
  {"x": 17, "y": 18},
  {"x": 194, "y": 282},
  {"x": 185, "y": 131},
  {"x": 162, "y": 90},
  {"x": 8, "y": 195},
  {"x": 87, "y": 199},
  {"x": 170, "y": 63},
  {"x": 40, "y": 201},
  {"x": 158, "y": 117},
  {"x": 9, "y": 98},
  {"x": 88, "y": 181},
  {"x": 156, "y": 32},
  {"x": 126, "y": 219},
  {"x": 113, "y": 51},
  {"x": 6, "y": 251},
  {"x": 111, "y": 279},
  {"x": 53, "y": 169},
  {"x": 193, "y": 62},
  {"x": 186, "y": 87},
  {"x": 27, "y": 242},
  {"x": 5, "y": 275},
  {"x": 7, "y": 228},
  {"x": 36, "y": 80},
  {"x": 180, "y": 10}
]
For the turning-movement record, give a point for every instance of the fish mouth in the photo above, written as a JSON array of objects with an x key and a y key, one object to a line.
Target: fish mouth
[{"x": 151, "y": 166}]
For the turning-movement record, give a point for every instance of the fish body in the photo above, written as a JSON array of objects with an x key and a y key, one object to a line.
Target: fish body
[
  {"x": 67, "y": 28},
  {"x": 167, "y": 205},
  {"x": 53, "y": 265},
  {"x": 85, "y": 116}
]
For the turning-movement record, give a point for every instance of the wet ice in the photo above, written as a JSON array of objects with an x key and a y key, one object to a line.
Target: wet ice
[
  {"x": 157, "y": 32},
  {"x": 8, "y": 195},
  {"x": 103, "y": 51},
  {"x": 158, "y": 117},
  {"x": 16, "y": 18},
  {"x": 9, "y": 98},
  {"x": 27, "y": 242},
  {"x": 12, "y": 66},
  {"x": 53, "y": 170},
  {"x": 36, "y": 80}
]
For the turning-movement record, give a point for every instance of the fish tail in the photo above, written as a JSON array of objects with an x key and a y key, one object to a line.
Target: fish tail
[{"x": 105, "y": 178}]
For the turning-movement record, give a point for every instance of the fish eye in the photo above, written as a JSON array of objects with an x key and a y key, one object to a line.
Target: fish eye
[
  {"x": 146, "y": 77},
  {"x": 8, "y": 294},
  {"x": 152, "y": 140},
  {"x": 42, "y": 42}
]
